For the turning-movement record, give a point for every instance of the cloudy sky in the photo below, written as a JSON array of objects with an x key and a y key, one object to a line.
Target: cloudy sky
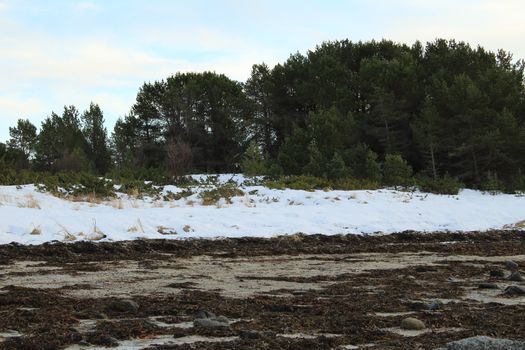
[{"x": 59, "y": 52}]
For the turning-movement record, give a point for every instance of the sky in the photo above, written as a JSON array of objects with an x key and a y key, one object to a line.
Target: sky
[{"x": 73, "y": 52}]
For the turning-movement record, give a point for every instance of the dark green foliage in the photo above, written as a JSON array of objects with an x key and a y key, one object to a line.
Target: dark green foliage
[
  {"x": 97, "y": 139},
  {"x": 311, "y": 183},
  {"x": 396, "y": 171},
  {"x": 253, "y": 161},
  {"x": 363, "y": 163},
  {"x": 442, "y": 185},
  {"x": 449, "y": 112},
  {"x": 23, "y": 137}
]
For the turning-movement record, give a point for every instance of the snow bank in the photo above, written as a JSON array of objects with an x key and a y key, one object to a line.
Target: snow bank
[{"x": 30, "y": 217}]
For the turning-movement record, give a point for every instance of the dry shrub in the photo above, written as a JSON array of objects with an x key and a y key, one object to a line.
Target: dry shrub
[
  {"x": 187, "y": 228},
  {"x": 520, "y": 225},
  {"x": 163, "y": 230},
  {"x": 118, "y": 204},
  {"x": 179, "y": 157},
  {"x": 30, "y": 202},
  {"x": 136, "y": 228},
  {"x": 36, "y": 231}
]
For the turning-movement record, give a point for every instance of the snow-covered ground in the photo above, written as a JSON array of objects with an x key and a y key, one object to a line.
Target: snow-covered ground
[{"x": 31, "y": 217}]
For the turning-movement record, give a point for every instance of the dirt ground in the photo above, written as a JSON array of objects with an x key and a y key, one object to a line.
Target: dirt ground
[{"x": 294, "y": 292}]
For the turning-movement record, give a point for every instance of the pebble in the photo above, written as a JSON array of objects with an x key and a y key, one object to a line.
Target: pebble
[
  {"x": 123, "y": 305},
  {"x": 511, "y": 265},
  {"x": 514, "y": 290},
  {"x": 201, "y": 314},
  {"x": 497, "y": 273},
  {"x": 488, "y": 286},
  {"x": 210, "y": 323},
  {"x": 516, "y": 277},
  {"x": 245, "y": 334},
  {"x": 418, "y": 305},
  {"x": 435, "y": 305},
  {"x": 482, "y": 342},
  {"x": 411, "y": 323}
]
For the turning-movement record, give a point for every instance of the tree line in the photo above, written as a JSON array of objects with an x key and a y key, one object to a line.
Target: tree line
[{"x": 344, "y": 109}]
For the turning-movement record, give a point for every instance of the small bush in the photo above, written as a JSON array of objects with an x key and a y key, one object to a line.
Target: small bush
[
  {"x": 397, "y": 171},
  {"x": 214, "y": 195},
  {"x": 445, "y": 185},
  {"x": 311, "y": 183}
]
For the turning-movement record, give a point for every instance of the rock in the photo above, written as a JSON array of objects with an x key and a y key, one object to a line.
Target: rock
[
  {"x": 209, "y": 323},
  {"x": 488, "y": 286},
  {"x": 411, "y": 323},
  {"x": 223, "y": 319},
  {"x": 418, "y": 305},
  {"x": 123, "y": 305},
  {"x": 514, "y": 290},
  {"x": 249, "y": 335},
  {"x": 497, "y": 273},
  {"x": 104, "y": 340},
  {"x": 435, "y": 305},
  {"x": 511, "y": 265},
  {"x": 202, "y": 314},
  {"x": 516, "y": 277},
  {"x": 485, "y": 343}
]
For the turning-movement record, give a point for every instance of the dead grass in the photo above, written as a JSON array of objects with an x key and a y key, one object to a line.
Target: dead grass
[
  {"x": 117, "y": 204},
  {"x": 136, "y": 228},
  {"x": 29, "y": 202},
  {"x": 36, "y": 231},
  {"x": 163, "y": 230},
  {"x": 520, "y": 225},
  {"x": 91, "y": 198},
  {"x": 187, "y": 228}
]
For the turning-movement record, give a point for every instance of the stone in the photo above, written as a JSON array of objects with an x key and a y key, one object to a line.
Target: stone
[
  {"x": 202, "y": 314},
  {"x": 418, "y": 305},
  {"x": 514, "y": 290},
  {"x": 411, "y": 323},
  {"x": 249, "y": 335},
  {"x": 511, "y": 265},
  {"x": 209, "y": 323},
  {"x": 485, "y": 343},
  {"x": 516, "y": 277},
  {"x": 487, "y": 285},
  {"x": 222, "y": 319},
  {"x": 123, "y": 305},
  {"x": 435, "y": 305},
  {"x": 497, "y": 273}
]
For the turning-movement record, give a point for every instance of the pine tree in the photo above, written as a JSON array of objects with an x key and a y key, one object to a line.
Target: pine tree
[
  {"x": 23, "y": 137},
  {"x": 96, "y": 136}
]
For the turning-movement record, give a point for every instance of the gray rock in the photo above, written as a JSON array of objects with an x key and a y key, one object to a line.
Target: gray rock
[
  {"x": 202, "y": 314},
  {"x": 486, "y": 285},
  {"x": 516, "y": 277},
  {"x": 435, "y": 305},
  {"x": 222, "y": 319},
  {"x": 514, "y": 290},
  {"x": 418, "y": 305},
  {"x": 249, "y": 335},
  {"x": 511, "y": 265},
  {"x": 209, "y": 323},
  {"x": 123, "y": 305},
  {"x": 411, "y": 323},
  {"x": 485, "y": 343},
  {"x": 497, "y": 273}
]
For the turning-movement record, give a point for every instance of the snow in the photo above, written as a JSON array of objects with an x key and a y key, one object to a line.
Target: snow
[{"x": 28, "y": 216}]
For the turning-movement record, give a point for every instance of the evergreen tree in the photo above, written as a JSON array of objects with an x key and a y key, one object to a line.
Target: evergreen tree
[
  {"x": 396, "y": 171},
  {"x": 97, "y": 139},
  {"x": 23, "y": 137}
]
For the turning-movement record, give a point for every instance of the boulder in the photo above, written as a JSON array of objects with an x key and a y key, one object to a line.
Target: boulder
[{"x": 411, "y": 323}]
